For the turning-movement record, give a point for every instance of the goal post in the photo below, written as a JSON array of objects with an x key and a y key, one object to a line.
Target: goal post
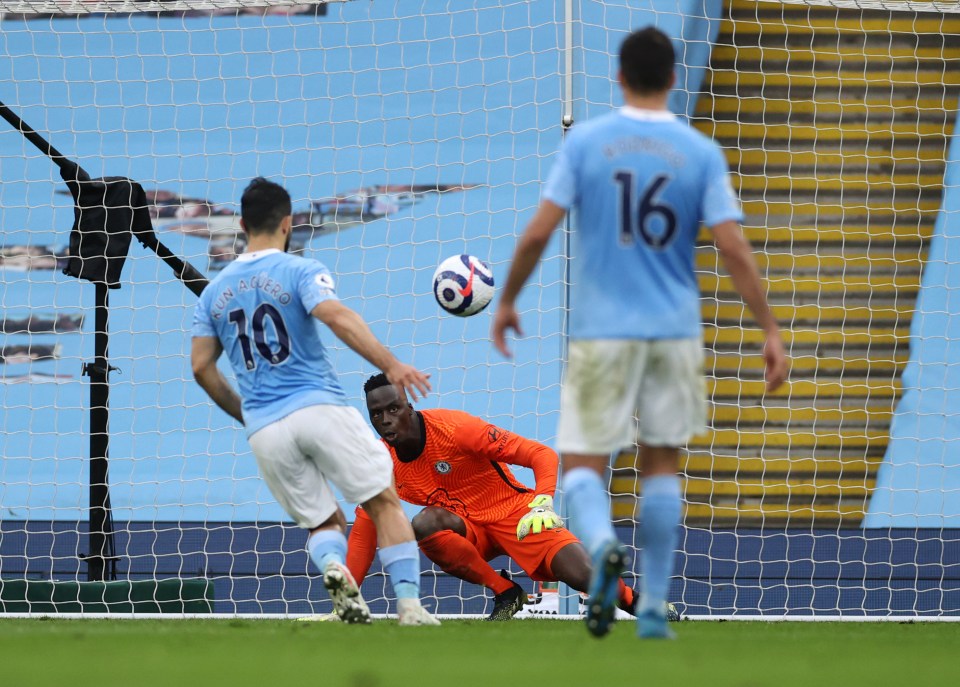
[{"x": 409, "y": 132}]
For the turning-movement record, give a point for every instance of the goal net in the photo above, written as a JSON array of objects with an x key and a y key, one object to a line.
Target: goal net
[{"x": 410, "y": 132}]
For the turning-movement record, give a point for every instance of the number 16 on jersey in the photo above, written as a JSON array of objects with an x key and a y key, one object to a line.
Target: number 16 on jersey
[{"x": 653, "y": 221}]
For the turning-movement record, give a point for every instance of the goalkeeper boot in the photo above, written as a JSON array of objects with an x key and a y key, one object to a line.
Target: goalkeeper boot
[
  {"x": 411, "y": 612},
  {"x": 343, "y": 590},
  {"x": 653, "y": 625},
  {"x": 673, "y": 613},
  {"x": 507, "y": 604},
  {"x": 608, "y": 565}
]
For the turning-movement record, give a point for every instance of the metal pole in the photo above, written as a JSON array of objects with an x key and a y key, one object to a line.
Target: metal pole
[
  {"x": 70, "y": 168},
  {"x": 567, "y": 95},
  {"x": 569, "y": 598},
  {"x": 101, "y": 561}
]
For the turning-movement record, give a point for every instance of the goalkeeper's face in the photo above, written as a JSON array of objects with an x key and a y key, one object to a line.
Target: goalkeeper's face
[{"x": 391, "y": 415}]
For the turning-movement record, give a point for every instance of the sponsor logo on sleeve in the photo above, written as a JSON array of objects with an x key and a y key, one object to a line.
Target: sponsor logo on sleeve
[
  {"x": 498, "y": 436},
  {"x": 324, "y": 281}
]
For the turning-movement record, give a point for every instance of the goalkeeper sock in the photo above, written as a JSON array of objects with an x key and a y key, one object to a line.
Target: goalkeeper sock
[
  {"x": 589, "y": 508},
  {"x": 626, "y": 597},
  {"x": 659, "y": 531},
  {"x": 402, "y": 563},
  {"x": 325, "y": 546},
  {"x": 457, "y": 556}
]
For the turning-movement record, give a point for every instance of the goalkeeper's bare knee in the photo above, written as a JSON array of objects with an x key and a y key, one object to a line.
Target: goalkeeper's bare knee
[{"x": 433, "y": 519}]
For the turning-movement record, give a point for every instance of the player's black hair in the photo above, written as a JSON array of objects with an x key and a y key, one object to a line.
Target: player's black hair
[
  {"x": 375, "y": 382},
  {"x": 647, "y": 61},
  {"x": 263, "y": 206}
]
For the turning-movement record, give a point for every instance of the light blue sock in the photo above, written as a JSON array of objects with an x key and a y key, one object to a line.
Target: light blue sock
[
  {"x": 402, "y": 563},
  {"x": 325, "y": 546},
  {"x": 589, "y": 507},
  {"x": 659, "y": 532}
]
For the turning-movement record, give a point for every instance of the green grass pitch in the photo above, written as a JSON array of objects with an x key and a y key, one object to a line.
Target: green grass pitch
[{"x": 272, "y": 653}]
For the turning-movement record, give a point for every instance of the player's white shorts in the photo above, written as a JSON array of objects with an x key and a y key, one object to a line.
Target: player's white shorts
[
  {"x": 620, "y": 391},
  {"x": 299, "y": 454}
]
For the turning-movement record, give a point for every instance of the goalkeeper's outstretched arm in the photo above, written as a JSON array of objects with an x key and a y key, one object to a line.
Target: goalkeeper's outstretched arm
[
  {"x": 544, "y": 463},
  {"x": 517, "y": 450}
]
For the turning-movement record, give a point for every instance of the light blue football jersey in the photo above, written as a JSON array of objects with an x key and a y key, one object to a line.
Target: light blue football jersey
[
  {"x": 259, "y": 307},
  {"x": 640, "y": 183}
]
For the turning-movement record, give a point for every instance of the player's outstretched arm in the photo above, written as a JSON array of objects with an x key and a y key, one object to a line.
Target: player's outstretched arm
[
  {"x": 734, "y": 249},
  {"x": 350, "y": 328},
  {"x": 205, "y": 351},
  {"x": 525, "y": 258}
]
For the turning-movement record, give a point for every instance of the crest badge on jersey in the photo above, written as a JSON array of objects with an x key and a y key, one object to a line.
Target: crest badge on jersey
[{"x": 442, "y": 466}]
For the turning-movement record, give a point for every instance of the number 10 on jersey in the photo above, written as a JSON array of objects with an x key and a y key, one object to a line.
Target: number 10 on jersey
[{"x": 264, "y": 312}]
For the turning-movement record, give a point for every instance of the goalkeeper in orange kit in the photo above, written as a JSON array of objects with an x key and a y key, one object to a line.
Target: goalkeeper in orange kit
[{"x": 455, "y": 465}]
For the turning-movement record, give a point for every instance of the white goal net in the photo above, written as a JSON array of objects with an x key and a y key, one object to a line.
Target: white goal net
[{"x": 409, "y": 132}]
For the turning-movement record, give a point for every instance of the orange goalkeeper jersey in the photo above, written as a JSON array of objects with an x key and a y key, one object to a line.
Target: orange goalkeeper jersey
[{"x": 463, "y": 468}]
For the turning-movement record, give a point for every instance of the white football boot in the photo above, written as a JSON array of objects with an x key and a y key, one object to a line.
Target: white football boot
[
  {"x": 347, "y": 602},
  {"x": 410, "y": 612}
]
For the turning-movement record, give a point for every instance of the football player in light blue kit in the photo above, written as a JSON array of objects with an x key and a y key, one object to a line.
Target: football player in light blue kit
[
  {"x": 641, "y": 183},
  {"x": 263, "y": 310}
]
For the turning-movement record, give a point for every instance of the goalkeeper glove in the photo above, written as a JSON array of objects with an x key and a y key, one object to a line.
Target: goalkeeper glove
[{"x": 541, "y": 517}]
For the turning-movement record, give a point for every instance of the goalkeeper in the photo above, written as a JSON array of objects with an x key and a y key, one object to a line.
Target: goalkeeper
[{"x": 455, "y": 465}]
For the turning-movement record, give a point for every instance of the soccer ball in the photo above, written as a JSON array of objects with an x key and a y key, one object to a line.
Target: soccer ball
[{"x": 463, "y": 285}]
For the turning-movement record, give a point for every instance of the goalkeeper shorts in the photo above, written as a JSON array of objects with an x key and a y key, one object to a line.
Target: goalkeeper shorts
[{"x": 534, "y": 554}]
